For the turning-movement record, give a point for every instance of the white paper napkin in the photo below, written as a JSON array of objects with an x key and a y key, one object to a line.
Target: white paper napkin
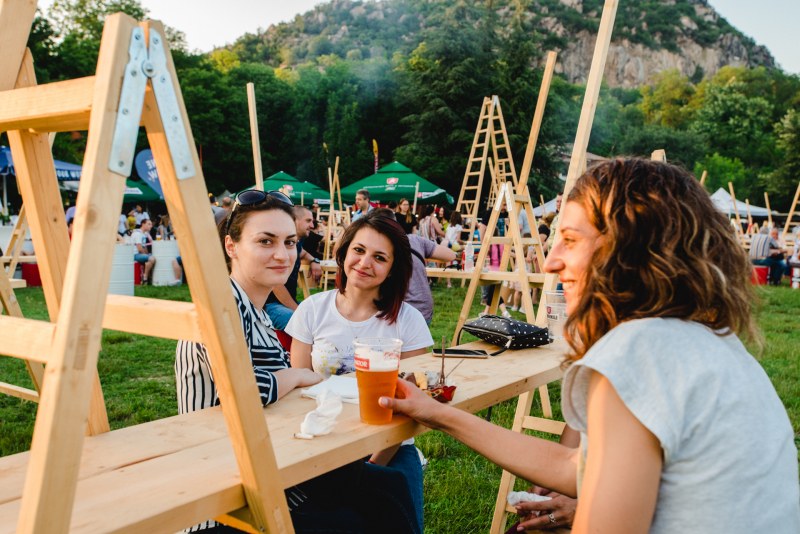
[
  {"x": 516, "y": 497},
  {"x": 344, "y": 386}
]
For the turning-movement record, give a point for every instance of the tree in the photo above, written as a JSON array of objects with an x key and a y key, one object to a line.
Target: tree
[
  {"x": 666, "y": 101},
  {"x": 684, "y": 148},
  {"x": 736, "y": 125},
  {"x": 782, "y": 182},
  {"x": 722, "y": 170},
  {"x": 444, "y": 81}
]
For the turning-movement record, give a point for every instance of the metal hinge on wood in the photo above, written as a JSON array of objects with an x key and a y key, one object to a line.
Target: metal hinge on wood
[{"x": 148, "y": 63}]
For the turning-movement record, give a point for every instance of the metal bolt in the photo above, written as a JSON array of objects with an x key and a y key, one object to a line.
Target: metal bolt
[
  {"x": 120, "y": 163},
  {"x": 185, "y": 168},
  {"x": 134, "y": 73},
  {"x": 137, "y": 36},
  {"x": 163, "y": 79},
  {"x": 174, "y": 118},
  {"x": 124, "y": 111},
  {"x": 148, "y": 68},
  {"x": 156, "y": 40}
]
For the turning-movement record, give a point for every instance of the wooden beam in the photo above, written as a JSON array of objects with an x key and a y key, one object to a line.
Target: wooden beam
[
  {"x": 152, "y": 317},
  {"x": 577, "y": 162},
  {"x": 538, "y": 117},
  {"x": 27, "y": 339},
  {"x": 16, "y": 18},
  {"x": 254, "y": 138},
  {"x": 54, "y": 107}
]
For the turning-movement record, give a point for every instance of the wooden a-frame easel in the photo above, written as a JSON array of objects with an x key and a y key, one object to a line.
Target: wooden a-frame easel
[
  {"x": 522, "y": 419},
  {"x": 135, "y": 82},
  {"x": 338, "y": 220},
  {"x": 793, "y": 212}
]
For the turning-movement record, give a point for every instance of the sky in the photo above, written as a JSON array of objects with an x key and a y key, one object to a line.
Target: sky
[{"x": 773, "y": 23}]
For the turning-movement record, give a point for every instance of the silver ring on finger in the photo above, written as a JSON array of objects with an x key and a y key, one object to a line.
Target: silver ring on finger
[{"x": 552, "y": 518}]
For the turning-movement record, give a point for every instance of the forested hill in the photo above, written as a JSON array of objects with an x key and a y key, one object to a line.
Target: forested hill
[
  {"x": 412, "y": 74},
  {"x": 649, "y": 35}
]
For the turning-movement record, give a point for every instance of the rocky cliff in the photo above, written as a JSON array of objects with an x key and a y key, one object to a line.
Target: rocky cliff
[{"x": 649, "y": 35}]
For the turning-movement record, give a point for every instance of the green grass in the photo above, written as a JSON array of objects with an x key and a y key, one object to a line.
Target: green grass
[{"x": 460, "y": 486}]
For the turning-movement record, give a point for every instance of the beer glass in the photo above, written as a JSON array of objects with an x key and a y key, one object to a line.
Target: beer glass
[
  {"x": 556, "y": 313},
  {"x": 377, "y": 361}
]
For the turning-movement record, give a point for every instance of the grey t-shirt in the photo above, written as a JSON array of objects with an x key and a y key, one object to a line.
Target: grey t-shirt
[
  {"x": 419, "y": 292},
  {"x": 730, "y": 463}
]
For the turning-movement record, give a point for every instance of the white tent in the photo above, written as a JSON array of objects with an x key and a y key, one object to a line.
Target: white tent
[
  {"x": 723, "y": 202},
  {"x": 548, "y": 207}
]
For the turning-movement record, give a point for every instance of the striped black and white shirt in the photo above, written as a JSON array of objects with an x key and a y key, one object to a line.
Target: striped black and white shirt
[{"x": 195, "y": 381}]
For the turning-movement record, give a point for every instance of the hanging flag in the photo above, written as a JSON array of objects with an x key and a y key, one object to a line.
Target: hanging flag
[
  {"x": 375, "y": 151},
  {"x": 145, "y": 165}
]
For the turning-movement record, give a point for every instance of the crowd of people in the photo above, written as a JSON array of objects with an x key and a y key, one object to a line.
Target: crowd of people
[{"x": 673, "y": 425}]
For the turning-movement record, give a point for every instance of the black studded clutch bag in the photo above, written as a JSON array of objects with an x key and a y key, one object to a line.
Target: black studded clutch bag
[{"x": 506, "y": 333}]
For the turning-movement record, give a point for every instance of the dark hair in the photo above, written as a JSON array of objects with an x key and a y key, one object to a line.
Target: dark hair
[
  {"x": 427, "y": 210},
  {"x": 239, "y": 217},
  {"x": 393, "y": 290},
  {"x": 409, "y": 215},
  {"x": 455, "y": 218},
  {"x": 363, "y": 192},
  {"x": 665, "y": 252}
]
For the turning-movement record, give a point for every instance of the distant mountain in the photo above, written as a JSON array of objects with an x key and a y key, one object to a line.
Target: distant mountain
[{"x": 649, "y": 35}]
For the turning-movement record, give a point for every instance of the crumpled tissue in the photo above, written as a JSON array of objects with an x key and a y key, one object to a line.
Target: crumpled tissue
[
  {"x": 320, "y": 421},
  {"x": 516, "y": 497}
]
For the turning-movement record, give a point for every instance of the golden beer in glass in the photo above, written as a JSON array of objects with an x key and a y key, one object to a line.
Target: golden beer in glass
[{"x": 377, "y": 361}]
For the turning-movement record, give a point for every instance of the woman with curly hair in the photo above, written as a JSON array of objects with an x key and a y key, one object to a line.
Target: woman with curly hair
[{"x": 681, "y": 429}]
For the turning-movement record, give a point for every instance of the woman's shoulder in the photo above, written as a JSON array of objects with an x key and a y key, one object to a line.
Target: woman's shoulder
[
  {"x": 658, "y": 340},
  {"x": 409, "y": 314}
]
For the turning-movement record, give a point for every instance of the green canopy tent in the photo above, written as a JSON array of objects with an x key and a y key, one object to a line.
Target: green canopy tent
[
  {"x": 394, "y": 182},
  {"x": 295, "y": 189},
  {"x": 136, "y": 191}
]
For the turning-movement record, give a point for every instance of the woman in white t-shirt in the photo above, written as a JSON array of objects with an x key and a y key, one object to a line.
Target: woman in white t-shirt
[
  {"x": 681, "y": 429},
  {"x": 374, "y": 260}
]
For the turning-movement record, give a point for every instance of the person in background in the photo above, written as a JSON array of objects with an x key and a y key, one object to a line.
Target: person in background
[
  {"x": 164, "y": 231},
  {"x": 404, "y": 217},
  {"x": 219, "y": 213},
  {"x": 138, "y": 214},
  {"x": 143, "y": 253},
  {"x": 766, "y": 249},
  {"x": 362, "y": 203},
  {"x": 374, "y": 268},
  {"x": 282, "y": 302},
  {"x": 419, "y": 290},
  {"x": 122, "y": 226},
  {"x": 452, "y": 237},
  {"x": 429, "y": 227},
  {"x": 672, "y": 409}
]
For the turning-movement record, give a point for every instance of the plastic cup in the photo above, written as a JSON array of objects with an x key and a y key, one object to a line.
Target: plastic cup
[
  {"x": 556, "y": 306},
  {"x": 377, "y": 360}
]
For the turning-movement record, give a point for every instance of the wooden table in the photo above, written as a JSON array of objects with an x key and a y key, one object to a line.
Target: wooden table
[{"x": 121, "y": 487}]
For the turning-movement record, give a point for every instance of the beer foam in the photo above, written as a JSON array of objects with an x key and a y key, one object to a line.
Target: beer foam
[{"x": 382, "y": 366}]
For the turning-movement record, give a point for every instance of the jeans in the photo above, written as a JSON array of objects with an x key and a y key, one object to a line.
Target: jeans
[
  {"x": 777, "y": 267},
  {"x": 279, "y": 315},
  {"x": 365, "y": 498}
]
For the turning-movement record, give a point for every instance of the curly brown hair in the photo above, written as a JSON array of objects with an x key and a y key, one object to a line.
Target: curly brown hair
[{"x": 665, "y": 252}]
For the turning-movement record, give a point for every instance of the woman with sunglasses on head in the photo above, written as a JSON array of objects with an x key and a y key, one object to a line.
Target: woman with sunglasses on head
[
  {"x": 259, "y": 240},
  {"x": 374, "y": 268},
  {"x": 681, "y": 429}
]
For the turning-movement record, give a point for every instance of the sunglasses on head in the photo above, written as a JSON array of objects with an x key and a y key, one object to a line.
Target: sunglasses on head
[{"x": 253, "y": 197}]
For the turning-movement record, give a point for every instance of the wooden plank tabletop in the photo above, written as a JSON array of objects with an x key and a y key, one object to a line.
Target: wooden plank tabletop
[{"x": 128, "y": 477}]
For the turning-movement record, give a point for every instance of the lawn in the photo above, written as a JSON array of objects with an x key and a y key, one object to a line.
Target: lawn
[{"x": 460, "y": 487}]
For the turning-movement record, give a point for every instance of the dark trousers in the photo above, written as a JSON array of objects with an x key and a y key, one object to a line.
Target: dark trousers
[{"x": 361, "y": 498}]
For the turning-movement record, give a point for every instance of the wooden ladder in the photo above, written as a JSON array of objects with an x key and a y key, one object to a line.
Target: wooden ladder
[
  {"x": 522, "y": 419},
  {"x": 489, "y": 133},
  {"x": 135, "y": 83}
]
